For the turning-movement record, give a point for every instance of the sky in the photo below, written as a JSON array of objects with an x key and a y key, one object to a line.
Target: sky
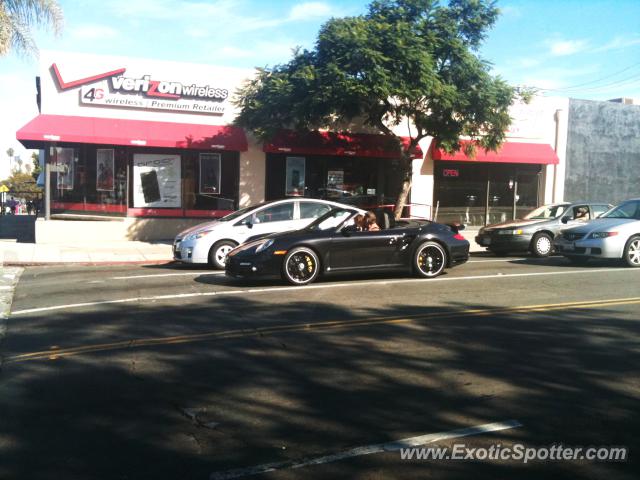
[{"x": 587, "y": 49}]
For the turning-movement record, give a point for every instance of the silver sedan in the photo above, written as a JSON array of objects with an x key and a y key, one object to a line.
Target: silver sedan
[{"x": 616, "y": 234}]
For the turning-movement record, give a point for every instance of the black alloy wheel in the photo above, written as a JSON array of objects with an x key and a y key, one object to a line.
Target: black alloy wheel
[
  {"x": 430, "y": 259},
  {"x": 301, "y": 266}
]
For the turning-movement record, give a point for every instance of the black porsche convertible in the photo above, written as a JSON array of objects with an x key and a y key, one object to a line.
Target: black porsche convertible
[{"x": 332, "y": 244}]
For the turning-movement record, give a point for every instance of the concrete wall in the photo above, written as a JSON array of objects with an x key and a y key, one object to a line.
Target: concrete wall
[
  {"x": 252, "y": 174},
  {"x": 603, "y": 151},
  {"x": 100, "y": 231}
]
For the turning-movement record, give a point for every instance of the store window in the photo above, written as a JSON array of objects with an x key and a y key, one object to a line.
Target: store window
[
  {"x": 294, "y": 180},
  {"x": 475, "y": 194},
  {"x": 210, "y": 173},
  {"x": 88, "y": 180},
  {"x": 364, "y": 182},
  {"x": 210, "y": 181}
]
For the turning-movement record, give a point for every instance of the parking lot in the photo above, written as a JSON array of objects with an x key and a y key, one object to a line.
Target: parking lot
[{"x": 172, "y": 372}]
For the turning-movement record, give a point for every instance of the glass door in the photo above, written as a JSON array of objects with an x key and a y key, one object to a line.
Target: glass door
[{"x": 501, "y": 190}]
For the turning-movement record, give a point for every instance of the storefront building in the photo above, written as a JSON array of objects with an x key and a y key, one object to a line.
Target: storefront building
[{"x": 151, "y": 146}]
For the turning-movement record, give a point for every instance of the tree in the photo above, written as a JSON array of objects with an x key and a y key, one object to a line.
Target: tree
[
  {"x": 17, "y": 17},
  {"x": 410, "y": 62},
  {"x": 36, "y": 169},
  {"x": 24, "y": 184}
]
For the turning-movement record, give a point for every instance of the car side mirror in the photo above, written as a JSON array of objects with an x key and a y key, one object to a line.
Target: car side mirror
[{"x": 565, "y": 220}]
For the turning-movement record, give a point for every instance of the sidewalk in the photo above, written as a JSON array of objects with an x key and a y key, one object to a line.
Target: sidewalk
[{"x": 24, "y": 254}]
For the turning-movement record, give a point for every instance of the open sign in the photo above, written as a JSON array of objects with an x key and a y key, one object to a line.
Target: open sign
[{"x": 450, "y": 172}]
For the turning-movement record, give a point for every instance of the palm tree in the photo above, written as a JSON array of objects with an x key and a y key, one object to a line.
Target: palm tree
[{"x": 18, "y": 16}]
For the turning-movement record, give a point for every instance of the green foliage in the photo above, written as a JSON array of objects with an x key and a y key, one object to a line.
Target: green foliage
[
  {"x": 35, "y": 172},
  {"x": 18, "y": 16},
  {"x": 412, "y": 61},
  {"x": 23, "y": 183}
]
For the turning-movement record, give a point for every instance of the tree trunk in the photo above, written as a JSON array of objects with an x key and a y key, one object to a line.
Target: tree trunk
[{"x": 402, "y": 197}]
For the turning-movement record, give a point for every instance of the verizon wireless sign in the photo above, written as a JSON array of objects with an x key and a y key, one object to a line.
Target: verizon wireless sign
[
  {"x": 101, "y": 96},
  {"x": 115, "y": 89}
]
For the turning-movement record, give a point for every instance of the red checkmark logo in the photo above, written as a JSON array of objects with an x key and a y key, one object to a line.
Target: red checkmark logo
[{"x": 82, "y": 81}]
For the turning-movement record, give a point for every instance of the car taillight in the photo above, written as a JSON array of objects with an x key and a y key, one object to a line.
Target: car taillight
[{"x": 457, "y": 236}]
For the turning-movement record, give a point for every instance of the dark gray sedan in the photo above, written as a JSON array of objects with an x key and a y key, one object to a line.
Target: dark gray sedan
[{"x": 535, "y": 232}]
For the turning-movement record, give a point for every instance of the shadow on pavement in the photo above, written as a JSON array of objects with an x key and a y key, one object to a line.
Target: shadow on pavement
[{"x": 569, "y": 376}]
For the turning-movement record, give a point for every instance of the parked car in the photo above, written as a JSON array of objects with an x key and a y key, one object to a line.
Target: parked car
[
  {"x": 210, "y": 242},
  {"x": 616, "y": 234},
  {"x": 332, "y": 244},
  {"x": 536, "y": 231}
]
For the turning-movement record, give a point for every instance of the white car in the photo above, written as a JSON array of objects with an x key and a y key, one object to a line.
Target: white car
[
  {"x": 615, "y": 234},
  {"x": 211, "y": 241}
]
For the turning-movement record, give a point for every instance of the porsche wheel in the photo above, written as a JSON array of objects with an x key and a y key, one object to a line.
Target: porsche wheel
[
  {"x": 301, "y": 266},
  {"x": 430, "y": 259}
]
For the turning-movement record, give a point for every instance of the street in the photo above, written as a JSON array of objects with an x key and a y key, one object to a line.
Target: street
[{"x": 168, "y": 372}]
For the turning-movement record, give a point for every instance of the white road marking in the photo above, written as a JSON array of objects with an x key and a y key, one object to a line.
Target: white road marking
[
  {"x": 204, "y": 272},
  {"x": 314, "y": 287},
  {"x": 367, "y": 450},
  {"x": 498, "y": 260}
]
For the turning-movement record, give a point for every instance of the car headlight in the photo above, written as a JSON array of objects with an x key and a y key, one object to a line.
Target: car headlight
[
  {"x": 603, "y": 234},
  {"x": 510, "y": 232},
  {"x": 197, "y": 235},
  {"x": 264, "y": 245}
]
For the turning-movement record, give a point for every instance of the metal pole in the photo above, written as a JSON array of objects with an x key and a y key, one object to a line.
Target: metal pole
[
  {"x": 515, "y": 198},
  {"x": 47, "y": 186}
]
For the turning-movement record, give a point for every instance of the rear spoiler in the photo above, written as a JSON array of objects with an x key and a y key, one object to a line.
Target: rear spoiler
[{"x": 455, "y": 226}]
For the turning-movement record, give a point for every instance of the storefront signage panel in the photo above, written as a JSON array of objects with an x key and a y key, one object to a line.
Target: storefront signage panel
[
  {"x": 77, "y": 84},
  {"x": 156, "y": 181},
  {"x": 101, "y": 94}
]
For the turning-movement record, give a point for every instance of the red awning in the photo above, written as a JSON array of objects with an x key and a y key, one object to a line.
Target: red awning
[
  {"x": 111, "y": 131},
  {"x": 510, "y": 152},
  {"x": 337, "y": 144}
]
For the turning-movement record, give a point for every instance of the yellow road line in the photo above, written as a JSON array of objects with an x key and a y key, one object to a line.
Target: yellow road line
[{"x": 55, "y": 353}]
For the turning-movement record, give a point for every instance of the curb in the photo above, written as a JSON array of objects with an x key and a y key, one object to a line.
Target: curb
[{"x": 87, "y": 264}]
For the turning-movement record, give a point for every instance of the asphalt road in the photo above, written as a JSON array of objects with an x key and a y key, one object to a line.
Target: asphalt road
[{"x": 176, "y": 373}]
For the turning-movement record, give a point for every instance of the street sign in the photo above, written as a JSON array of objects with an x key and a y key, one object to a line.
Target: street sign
[{"x": 4, "y": 188}]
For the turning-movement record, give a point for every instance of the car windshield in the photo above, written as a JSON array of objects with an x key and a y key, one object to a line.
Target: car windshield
[
  {"x": 546, "y": 211},
  {"x": 332, "y": 219},
  {"x": 625, "y": 210},
  {"x": 239, "y": 213}
]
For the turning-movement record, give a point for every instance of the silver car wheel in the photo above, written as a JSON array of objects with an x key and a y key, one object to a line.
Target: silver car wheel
[
  {"x": 542, "y": 245},
  {"x": 633, "y": 252},
  {"x": 218, "y": 253}
]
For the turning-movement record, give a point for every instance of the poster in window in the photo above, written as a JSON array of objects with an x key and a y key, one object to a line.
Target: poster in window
[
  {"x": 156, "y": 181},
  {"x": 104, "y": 170},
  {"x": 335, "y": 179},
  {"x": 210, "y": 173},
  {"x": 295, "y": 176},
  {"x": 66, "y": 171}
]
